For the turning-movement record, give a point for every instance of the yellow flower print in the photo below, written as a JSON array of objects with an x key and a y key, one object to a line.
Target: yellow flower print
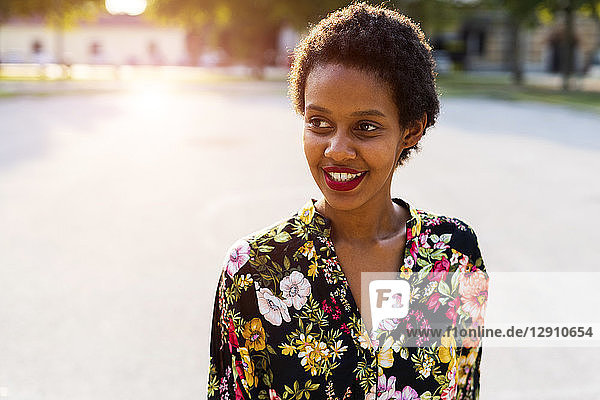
[
  {"x": 307, "y": 212},
  {"x": 405, "y": 272},
  {"x": 447, "y": 351},
  {"x": 426, "y": 366},
  {"x": 248, "y": 365},
  {"x": 464, "y": 366},
  {"x": 254, "y": 335},
  {"x": 287, "y": 350},
  {"x": 416, "y": 228},
  {"x": 385, "y": 357},
  {"x": 313, "y": 354},
  {"x": 364, "y": 339},
  {"x": 312, "y": 270},
  {"x": 302, "y": 341},
  {"x": 308, "y": 250},
  {"x": 245, "y": 281}
]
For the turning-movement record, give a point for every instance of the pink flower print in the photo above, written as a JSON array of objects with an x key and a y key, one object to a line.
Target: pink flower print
[
  {"x": 473, "y": 289},
  {"x": 331, "y": 262},
  {"x": 440, "y": 245},
  {"x": 397, "y": 297},
  {"x": 440, "y": 270},
  {"x": 386, "y": 388},
  {"x": 409, "y": 393},
  {"x": 423, "y": 240},
  {"x": 434, "y": 221},
  {"x": 433, "y": 302},
  {"x": 238, "y": 392},
  {"x": 415, "y": 318},
  {"x": 233, "y": 342},
  {"x": 345, "y": 328},
  {"x": 272, "y": 307},
  {"x": 331, "y": 309},
  {"x": 449, "y": 393},
  {"x": 452, "y": 307},
  {"x": 296, "y": 289},
  {"x": 414, "y": 250},
  {"x": 239, "y": 254},
  {"x": 388, "y": 324}
]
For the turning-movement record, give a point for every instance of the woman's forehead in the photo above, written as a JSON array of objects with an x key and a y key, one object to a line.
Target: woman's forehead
[{"x": 347, "y": 87}]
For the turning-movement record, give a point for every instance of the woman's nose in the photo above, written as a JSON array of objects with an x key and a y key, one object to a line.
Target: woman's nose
[{"x": 340, "y": 147}]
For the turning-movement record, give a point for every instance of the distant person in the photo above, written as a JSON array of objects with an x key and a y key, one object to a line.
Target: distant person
[
  {"x": 287, "y": 321},
  {"x": 38, "y": 54},
  {"x": 154, "y": 54},
  {"x": 97, "y": 54}
]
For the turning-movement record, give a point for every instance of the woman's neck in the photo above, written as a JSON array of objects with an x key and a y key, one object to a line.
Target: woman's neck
[{"x": 373, "y": 222}]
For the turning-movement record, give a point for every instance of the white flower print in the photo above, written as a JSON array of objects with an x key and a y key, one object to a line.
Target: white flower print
[
  {"x": 272, "y": 307},
  {"x": 238, "y": 255},
  {"x": 296, "y": 289}
]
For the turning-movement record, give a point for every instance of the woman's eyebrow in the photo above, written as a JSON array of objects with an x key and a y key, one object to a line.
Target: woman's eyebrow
[
  {"x": 367, "y": 112},
  {"x": 361, "y": 113},
  {"x": 318, "y": 108}
]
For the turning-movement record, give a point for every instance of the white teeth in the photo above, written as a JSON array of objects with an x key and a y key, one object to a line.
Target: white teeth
[{"x": 343, "y": 176}]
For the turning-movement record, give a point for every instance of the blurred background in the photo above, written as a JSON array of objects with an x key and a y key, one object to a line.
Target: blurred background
[{"x": 139, "y": 139}]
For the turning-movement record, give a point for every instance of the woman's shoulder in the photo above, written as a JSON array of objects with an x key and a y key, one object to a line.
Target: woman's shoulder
[
  {"x": 448, "y": 230},
  {"x": 440, "y": 222},
  {"x": 269, "y": 246}
]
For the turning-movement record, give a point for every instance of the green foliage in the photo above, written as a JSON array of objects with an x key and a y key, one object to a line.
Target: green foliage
[{"x": 59, "y": 13}]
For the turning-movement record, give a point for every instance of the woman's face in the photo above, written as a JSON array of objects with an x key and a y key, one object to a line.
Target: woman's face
[{"x": 352, "y": 136}]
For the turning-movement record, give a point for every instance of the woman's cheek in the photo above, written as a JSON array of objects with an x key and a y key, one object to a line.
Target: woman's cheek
[{"x": 312, "y": 147}]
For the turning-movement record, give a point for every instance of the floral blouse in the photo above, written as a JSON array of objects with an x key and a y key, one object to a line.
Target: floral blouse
[{"x": 286, "y": 326}]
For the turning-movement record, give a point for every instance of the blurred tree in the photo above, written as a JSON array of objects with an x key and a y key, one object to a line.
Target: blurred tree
[
  {"x": 13, "y": 8},
  {"x": 196, "y": 16},
  {"x": 435, "y": 16},
  {"x": 567, "y": 9},
  {"x": 521, "y": 15},
  {"x": 246, "y": 29},
  {"x": 591, "y": 8}
]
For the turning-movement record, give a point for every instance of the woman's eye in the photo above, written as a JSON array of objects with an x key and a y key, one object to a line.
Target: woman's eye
[
  {"x": 318, "y": 123},
  {"x": 367, "y": 127}
]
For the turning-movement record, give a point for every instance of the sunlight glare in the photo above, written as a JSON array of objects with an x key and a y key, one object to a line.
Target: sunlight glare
[{"x": 129, "y": 7}]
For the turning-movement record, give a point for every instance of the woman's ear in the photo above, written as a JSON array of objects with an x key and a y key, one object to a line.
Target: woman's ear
[{"x": 413, "y": 133}]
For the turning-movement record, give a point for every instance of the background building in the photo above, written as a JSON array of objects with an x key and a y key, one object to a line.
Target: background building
[{"x": 110, "y": 39}]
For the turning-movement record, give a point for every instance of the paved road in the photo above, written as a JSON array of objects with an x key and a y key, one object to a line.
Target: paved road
[{"x": 116, "y": 210}]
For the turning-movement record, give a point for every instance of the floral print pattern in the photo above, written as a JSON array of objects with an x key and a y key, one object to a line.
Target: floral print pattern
[{"x": 286, "y": 326}]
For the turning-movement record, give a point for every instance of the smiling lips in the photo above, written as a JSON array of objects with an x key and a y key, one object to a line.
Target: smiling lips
[{"x": 342, "y": 178}]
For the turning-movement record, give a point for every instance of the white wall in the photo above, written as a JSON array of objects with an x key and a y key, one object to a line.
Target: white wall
[{"x": 119, "y": 44}]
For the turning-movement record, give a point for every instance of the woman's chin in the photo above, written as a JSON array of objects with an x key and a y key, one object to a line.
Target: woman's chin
[{"x": 342, "y": 201}]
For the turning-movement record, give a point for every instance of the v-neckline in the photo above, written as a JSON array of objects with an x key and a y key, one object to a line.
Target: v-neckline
[{"x": 413, "y": 221}]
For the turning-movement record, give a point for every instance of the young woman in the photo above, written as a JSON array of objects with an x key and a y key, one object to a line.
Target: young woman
[{"x": 287, "y": 322}]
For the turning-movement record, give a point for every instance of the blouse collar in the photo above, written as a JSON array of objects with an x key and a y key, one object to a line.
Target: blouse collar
[{"x": 311, "y": 217}]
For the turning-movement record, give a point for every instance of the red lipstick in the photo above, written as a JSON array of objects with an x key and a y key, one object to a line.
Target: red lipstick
[{"x": 346, "y": 185}]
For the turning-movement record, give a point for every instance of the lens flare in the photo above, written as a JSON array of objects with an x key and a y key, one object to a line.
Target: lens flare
[{"x": 128, "y": 7}]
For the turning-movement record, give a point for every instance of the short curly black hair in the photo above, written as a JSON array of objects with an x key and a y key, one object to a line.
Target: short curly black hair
[{"x": 380, "y": 41}]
